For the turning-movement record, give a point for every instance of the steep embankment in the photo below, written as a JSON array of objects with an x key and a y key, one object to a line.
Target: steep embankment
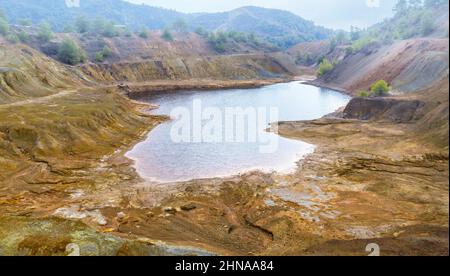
[
  {"x": 234, "y": 67},
  {"x": 187, "y": 56},
  {"x": 426, "y": 111},
  {"x": 52, "y": 125},
  {"x": 309, "y": 53},
  {"x": 26, "y": 73},
  {"x": 408, "y": 65}
]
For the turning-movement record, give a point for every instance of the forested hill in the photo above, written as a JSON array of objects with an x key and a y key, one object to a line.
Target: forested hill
[
  {"x": 58, "y": 14},
  {"x": 282, "y": 28}
]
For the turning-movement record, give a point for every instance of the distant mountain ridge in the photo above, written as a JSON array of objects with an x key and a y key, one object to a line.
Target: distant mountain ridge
[
  {"x": 58, "y": 14},
  {"x": 280, "y": 27},
  {"x": 277, "y": 26}
]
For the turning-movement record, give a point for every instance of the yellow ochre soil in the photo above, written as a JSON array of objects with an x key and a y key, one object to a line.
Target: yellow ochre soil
[{"x": 64, "y": 179}]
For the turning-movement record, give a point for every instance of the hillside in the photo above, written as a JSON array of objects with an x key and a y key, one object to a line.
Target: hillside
[
  {"x": 281, "y": 28},
  {"x": 58, "y": 14},
  {"x": 407, "y": 65},
  {"x": 409, "y": 51},
  {"x": 26, "y": 73},
  {"x": 378, "y": 174}
]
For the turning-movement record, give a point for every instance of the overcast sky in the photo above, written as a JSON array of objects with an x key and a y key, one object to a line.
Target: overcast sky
[{"x": 337, "y": 14}]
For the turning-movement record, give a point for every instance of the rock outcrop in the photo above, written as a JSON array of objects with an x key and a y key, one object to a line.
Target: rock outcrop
[{"x": 394, "y": 110}]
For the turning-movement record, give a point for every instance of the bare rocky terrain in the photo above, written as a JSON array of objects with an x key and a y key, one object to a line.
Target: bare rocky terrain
[
  {"x": 408, "y": 65},
  {"x": 379, "y": 173}
]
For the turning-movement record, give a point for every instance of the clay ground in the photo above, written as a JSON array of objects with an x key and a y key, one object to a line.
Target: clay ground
[{"x": 367, "y": 182}]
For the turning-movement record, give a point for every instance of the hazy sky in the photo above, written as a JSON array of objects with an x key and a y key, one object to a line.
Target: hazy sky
[{"x": 329, "y": 13}]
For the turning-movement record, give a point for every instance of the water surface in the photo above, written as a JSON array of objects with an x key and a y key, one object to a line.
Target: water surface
[{"x": 161, "y": 159}]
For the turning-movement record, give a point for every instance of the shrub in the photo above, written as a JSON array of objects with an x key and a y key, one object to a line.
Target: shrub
[
  {"x": 180, "y": 26},
  {"x": 70, "y": 53},
  {"x": 201, "y": 31},
  {"x": 82, "y": 25},
  {"x": 324, "y": 67},
  {"x": 218, "y": 41},
  {"x": 68, "y": 29},
  {"x": 103, "y": 54},
  {"x": 348, "y": 51},
  {"x": 4, "y": 27},
  {"x": 99, "y": 57},
  {"x": 361, "y": 43},
  {"x": 167, "y": 35},
  {"x": 109, "y": 30},
  {"x": 127, "y": 33},
  {"x": 427, "y": 25},
  {"x": 380, "y": 88},
  {"x": 106, "y": 51},
  {"x": 13, "y": 38},
  {"x": 364, "y": 94},
  {"x": 144, "y": 33},
  {"x": 23, "y": 36},
  {"x": 25, "y": 22},
  {"x": 45, "y": 33}
]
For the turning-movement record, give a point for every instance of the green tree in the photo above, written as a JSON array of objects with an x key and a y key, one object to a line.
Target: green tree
[
  {"x": 68, "y": 29},
  {"x": 401, "y": 7},
  {"x": 82, "y": 24},
  {"x": 25, "y": 22},
  {"x": 364, "y": 94},
  {"x": 324, "y": 67},
  {"x": 180, "y": 26},
  {"x": 13, "y": 38},
  {"x": 45, "y": 33},
  {"x": 4, "y": 27},
  {"x": 201, "y": 31},
  {"x": 341, "y": 38},
  {"x": 355, "y": 33},
  {"x": 69, "y": 52},
  {"x": 427, "y": 24},
  {"x": 103, "y": 54},
  {"x": 167, "y": 35},
  {"x": 99, "y": 57},
  {"x": 415, "y": 4},
  {"x": 109, "y": 30},
  {"x": 218, "y": 41},
  {"x": 253, "y": 39},
  {"x": 380, "y": 88},
  {"x": 127, "y": 33},
  {"x": 3, "y": 15},
  {"x": 143, "y": 33},
  {"x": 435, "y": 3},
  {"x": 23, "y": 36},
  {"x": 106, "y": 51},
  {"x": 97, "y": 26}
]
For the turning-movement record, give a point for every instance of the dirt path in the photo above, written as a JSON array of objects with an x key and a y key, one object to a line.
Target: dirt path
[{"x": 40, "y": 100}]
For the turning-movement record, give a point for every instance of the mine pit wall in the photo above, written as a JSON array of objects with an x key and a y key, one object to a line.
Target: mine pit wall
[
  {"x": 51, "y": 140},
  {"x": 408, "y": 65},
  {"x": 235, "y": 67},
  {"x": 26, "y": 73},
  {"x": 425, "y": 112}
]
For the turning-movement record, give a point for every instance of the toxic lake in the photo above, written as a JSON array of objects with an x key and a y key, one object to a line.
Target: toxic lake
[{"x": 224, "y": 132}]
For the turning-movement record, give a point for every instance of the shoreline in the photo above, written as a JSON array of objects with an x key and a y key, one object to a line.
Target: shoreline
[
  {"x": 253, "y": 84},
  {"x": 196, "y": 84},
  {"x": 332, "y": 87},
  {"x": 336, "y": 195}
]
